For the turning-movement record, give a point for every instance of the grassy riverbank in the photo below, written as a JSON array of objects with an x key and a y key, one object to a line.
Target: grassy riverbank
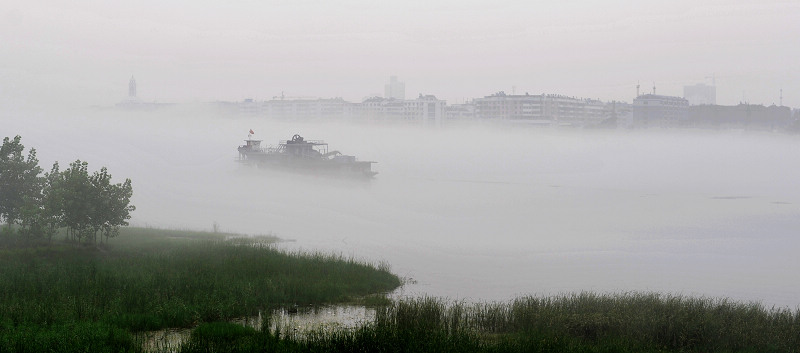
[
  {"x": 68, "y": 297},
  {"x": 573, "y": 323}
]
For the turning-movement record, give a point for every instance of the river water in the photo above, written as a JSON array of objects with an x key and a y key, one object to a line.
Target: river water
[
  {"x": 476, "y": 213},
  {"x": 296, "y": 325}
]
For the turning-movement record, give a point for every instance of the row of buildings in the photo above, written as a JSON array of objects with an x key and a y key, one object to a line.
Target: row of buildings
[
  {"x": 646, "y": 111},
  {"x": 543, "y": 109},
  {"x": 426, "y": 109},
  {"x": 697, "y": 108},
  {"x": 651, "y": 110}
]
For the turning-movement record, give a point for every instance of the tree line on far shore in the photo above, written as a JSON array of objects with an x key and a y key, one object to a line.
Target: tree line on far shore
[{"x": 35, "y": 205}]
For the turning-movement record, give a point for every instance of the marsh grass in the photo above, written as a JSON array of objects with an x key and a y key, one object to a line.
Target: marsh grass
[
  {"x": 148, "y": 279},
  {"x": 583, "y": 322},
  {"x": 628, "y": 321},
  {"x": 67, "y": 297},
  {"x": 74, "y": 337}
]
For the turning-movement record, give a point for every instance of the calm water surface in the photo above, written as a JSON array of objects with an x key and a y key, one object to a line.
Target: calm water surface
[{"x": 478, "y": 213}]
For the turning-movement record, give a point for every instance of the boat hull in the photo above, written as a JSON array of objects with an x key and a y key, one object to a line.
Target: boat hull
[{"x": 309, "y": 165}]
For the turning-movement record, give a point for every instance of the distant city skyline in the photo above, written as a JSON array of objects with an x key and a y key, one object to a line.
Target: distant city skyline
[
  {"x": 698, "y": 94},
  {"x": 72, "y": 54}
]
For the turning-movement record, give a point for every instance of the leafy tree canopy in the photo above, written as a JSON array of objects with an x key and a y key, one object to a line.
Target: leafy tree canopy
[
  {"x": 86, "y": 204},
  {"x": 19, "y": 179}
]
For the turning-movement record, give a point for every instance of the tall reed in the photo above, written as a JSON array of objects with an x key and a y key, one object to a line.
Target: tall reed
[
  {"x": 150, "y": 279},
  {"x": 580, "y": 322}
]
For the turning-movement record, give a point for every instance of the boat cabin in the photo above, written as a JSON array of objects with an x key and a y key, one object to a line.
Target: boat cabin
[
  {"x": 249, "y": 147},
  {"x": 252, "y": 145}
]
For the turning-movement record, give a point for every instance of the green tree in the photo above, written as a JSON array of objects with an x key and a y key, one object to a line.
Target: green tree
[
  {"x": 30, "y": 215},
  {"x": 52, "y": 210},
  {"x": 77, "y": 201},
  {"x": 87, "y": 205},
  {"x": 41, "y": 211},
  {"x": 20, "y": 183},
  {"x": 90, "y": 204},
  {"x": 113, "y": 202}
]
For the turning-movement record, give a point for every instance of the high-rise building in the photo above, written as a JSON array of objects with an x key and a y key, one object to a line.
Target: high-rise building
[
  {"x": 700, "y": 94},
  {"x": 395, "y": 89},
  {"x": 132, "y": 88}
]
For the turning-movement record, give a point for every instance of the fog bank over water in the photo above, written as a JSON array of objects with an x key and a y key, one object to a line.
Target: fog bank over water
[{"x": 478, "y": 213}]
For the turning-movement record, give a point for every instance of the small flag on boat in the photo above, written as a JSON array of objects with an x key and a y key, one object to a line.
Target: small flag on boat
[{"x": 251, "y": 132}]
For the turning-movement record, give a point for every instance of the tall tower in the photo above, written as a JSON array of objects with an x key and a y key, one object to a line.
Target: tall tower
[
  {"x": 395, "y": 89},
  {"x": 700, "y": 94},
  {"x": 132, "y": 88}
]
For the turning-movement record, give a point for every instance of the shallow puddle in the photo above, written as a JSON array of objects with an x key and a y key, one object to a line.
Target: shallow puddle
[
  {"x": 168, "y": 340},
  {"x": 315, "y": 318},
  {"x": 295, "y": 322}
]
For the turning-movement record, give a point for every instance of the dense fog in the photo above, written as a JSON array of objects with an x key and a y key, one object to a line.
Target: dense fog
[
  {"x": 476, "y": 212},
  {"x": 81, "y": 53}
]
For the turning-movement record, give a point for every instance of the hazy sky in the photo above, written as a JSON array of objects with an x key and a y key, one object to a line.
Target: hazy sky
[{"x": 82, "y": 53}]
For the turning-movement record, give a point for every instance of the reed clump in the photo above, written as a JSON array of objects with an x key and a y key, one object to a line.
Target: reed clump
[
  {"x": 149, "y": 279},
  {"x": 581, "y": 322}
]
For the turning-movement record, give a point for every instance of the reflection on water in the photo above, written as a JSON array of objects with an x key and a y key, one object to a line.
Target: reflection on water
[
  {"x": 168, "y": 340},
  {"x": 294, "y": 322},
  {"x": 319, "y": 318}
]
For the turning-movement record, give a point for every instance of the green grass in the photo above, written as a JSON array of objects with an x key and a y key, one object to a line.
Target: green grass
[
  {"x": 586, "y": 322},
  {"x": 74, "y": 337},
  {"x": 57, "y": 296},
  {"x": 148, "y": 279}
]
